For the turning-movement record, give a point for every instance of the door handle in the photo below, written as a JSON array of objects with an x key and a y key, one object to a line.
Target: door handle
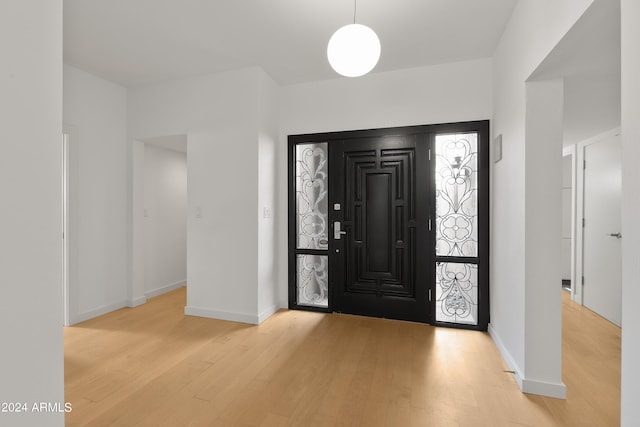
[
  {"x": 336, "y": 231},
  {"x": 616, "y": 235}
]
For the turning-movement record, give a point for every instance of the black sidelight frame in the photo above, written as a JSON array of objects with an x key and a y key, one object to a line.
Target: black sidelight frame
[
  {"x": 293, "y": 251},
  {"x": 426, "y": 135},
  {"x": 482, "y": 260}
]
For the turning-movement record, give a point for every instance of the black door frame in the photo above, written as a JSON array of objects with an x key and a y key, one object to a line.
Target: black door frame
[{"x": 482, "y": 128}]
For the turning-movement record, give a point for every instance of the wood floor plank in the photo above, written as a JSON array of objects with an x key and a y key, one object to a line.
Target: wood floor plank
[{"x": 154, "y": 366}]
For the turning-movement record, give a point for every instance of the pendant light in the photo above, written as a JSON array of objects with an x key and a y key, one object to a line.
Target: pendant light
[{"x": 354, "y": 49}]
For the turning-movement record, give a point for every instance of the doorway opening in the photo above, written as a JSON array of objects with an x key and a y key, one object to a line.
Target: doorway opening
[
  {"x": 392, "y": 223},
  {"x": 160, "y": 215}
]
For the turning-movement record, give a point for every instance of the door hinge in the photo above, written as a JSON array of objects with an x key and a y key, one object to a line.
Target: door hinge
[
  {"x": 429, "y": 153},
  {"x": 429, "y": 224},
  {"x": 584, "y": 164},
  {"x": 429, "y": 295},
  {"x": 582, "y": 280},
  {"x": 583, "y": 222}
]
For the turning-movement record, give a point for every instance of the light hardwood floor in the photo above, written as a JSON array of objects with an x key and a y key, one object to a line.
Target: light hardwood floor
[{"x": 153, "y": 366}]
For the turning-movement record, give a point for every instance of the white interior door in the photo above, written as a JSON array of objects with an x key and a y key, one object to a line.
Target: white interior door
[
  {"x": 65, "y": 228},
  {"x": 567, "y": 217},
  {"x": 602, "y": 227}
]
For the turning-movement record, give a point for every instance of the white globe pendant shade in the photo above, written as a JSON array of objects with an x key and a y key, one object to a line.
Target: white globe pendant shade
[{"x": 353, "y": 50}]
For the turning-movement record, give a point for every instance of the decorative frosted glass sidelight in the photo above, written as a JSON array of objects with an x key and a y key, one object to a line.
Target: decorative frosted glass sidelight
[
  {"x": 311, "y": 196},
  {"x": 312, "y": 280},
  {"x": 457, "y": 194},
  {"x": 457, "y": 293}
]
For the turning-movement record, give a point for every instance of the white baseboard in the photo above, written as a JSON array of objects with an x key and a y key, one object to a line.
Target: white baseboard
[
  {"x": 164, "y": 289},
  {"x": 267, "y": 313},
  {"x": 557, "y": 390},
  {"x": 506, "y": 356},
  {"x": 87, "y": 315},
  {"x": 136, "y": 301},
  {"x": 221, "y": 315}
]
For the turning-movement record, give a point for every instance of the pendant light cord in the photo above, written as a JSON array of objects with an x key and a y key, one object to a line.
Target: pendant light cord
[{"x": 355, "y": 2}]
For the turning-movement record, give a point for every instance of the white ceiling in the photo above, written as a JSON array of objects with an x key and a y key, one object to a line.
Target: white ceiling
[{"x": 135, "y": 42}]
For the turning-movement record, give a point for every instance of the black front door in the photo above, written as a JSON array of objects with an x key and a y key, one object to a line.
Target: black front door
[
  {"x": 379, "y": 228},
  {"x": 392, "y": 223}
]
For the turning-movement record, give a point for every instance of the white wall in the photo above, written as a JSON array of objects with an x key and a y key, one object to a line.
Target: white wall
[
  {"x": 268, "y": 297},
  {"x": 439, "y": 94},
  {"x": 97, "y": 110},
  {"x": 135, "y": 226},
  {"x": 543, "y": 267},
  {"x": 534, "y": 29},
  {"x": 165, "y": 219},
  {"x": 592, "y": 105},
  {"x": 221, "y": 115},
  {"x": 630, "y": 10},
  {"x": 458, "y": 91},
  {"x": 31, "y": 359}
]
